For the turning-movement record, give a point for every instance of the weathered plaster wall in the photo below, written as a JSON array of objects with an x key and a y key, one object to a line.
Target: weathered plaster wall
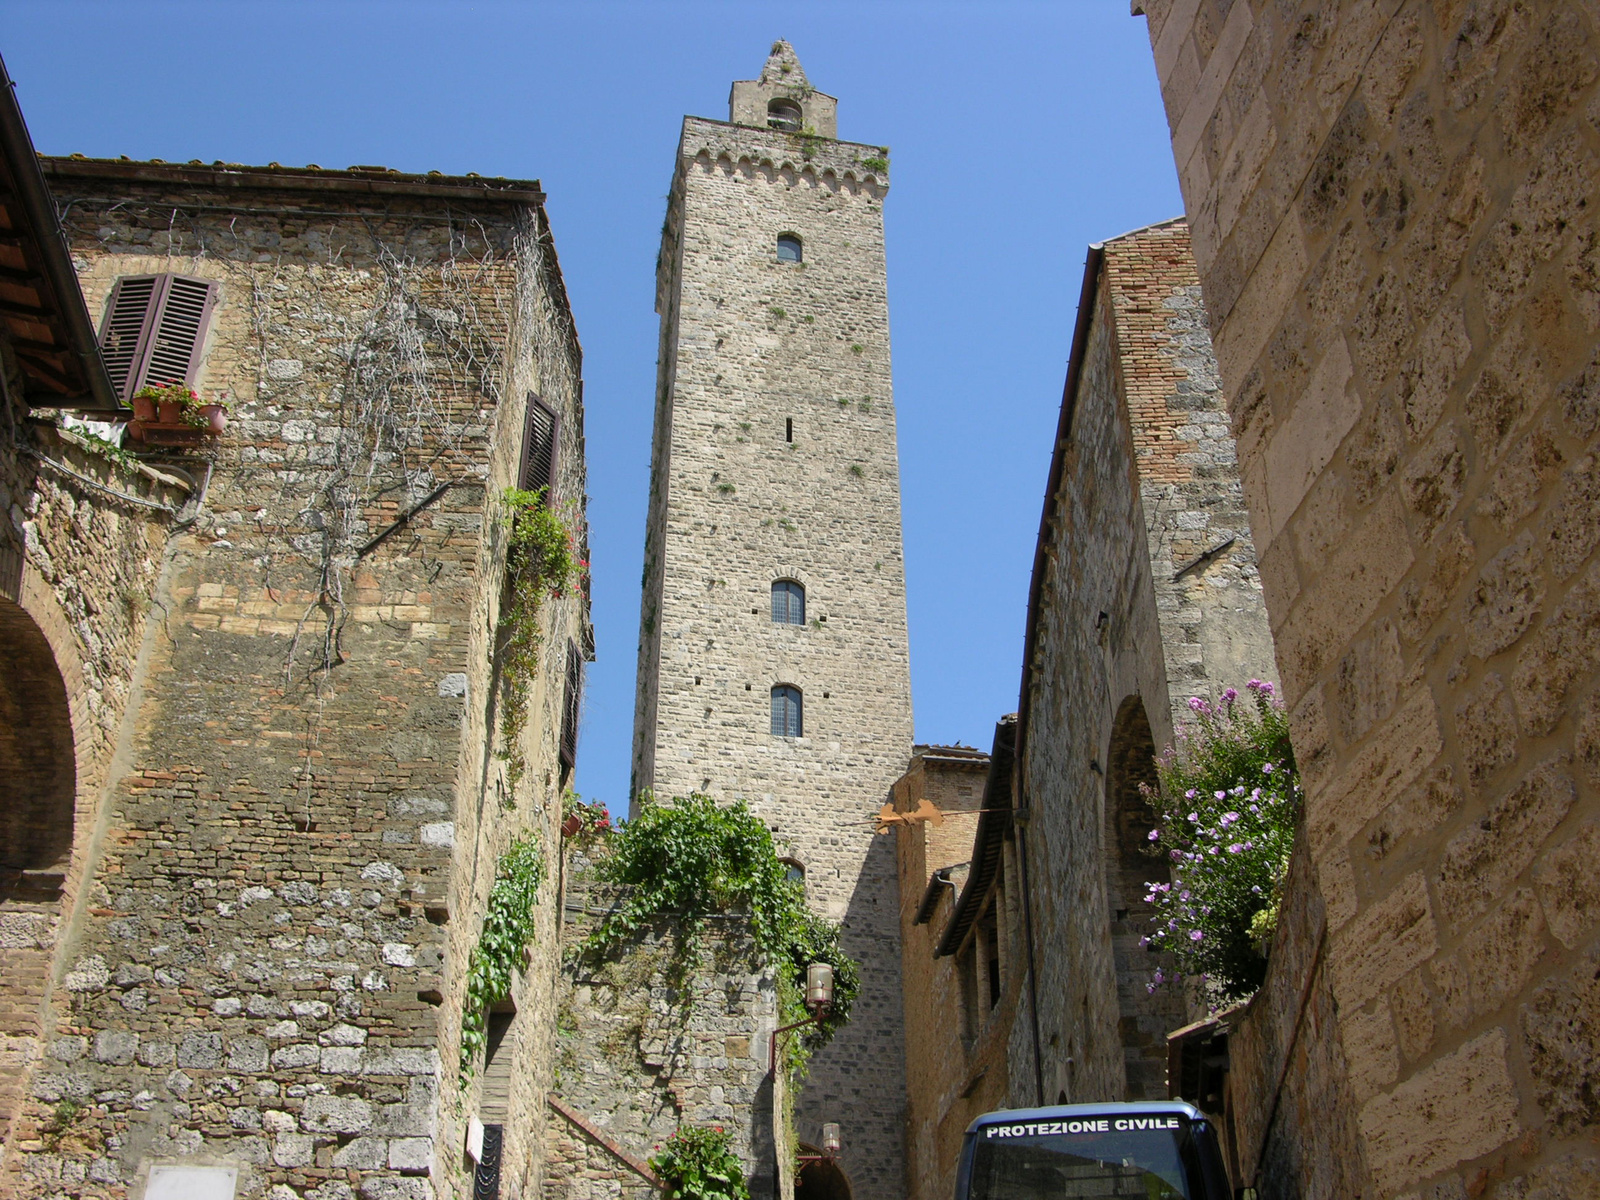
[
  {"x": 748, "y": 344},
  {"x": 301, "y": 841},
  {"x": 1393, "y": 207}
]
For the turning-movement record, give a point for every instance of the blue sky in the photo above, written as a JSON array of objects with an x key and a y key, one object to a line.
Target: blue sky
[{"x": 1020, "y": 133}]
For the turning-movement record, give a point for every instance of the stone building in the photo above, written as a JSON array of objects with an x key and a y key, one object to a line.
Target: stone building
[
  {"x": 1144, "y": 594},
  {"x": 958, "y": 1013},
  {"x": 1394, "y": 213},
  {"x": 280, "y": 789},
  {"x": 773, "y": 660}
]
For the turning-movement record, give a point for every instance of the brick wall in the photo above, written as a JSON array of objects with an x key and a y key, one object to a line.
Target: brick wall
[
  {"x": 301, "y": 837},
  {"x": 1393, "y": 212}
]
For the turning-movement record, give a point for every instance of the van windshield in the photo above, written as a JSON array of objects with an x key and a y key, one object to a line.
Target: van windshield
[{"x": 1114, "y": 1157}]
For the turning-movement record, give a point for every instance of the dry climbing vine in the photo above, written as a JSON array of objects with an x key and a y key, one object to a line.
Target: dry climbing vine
[{"x": 406, "y": 341}]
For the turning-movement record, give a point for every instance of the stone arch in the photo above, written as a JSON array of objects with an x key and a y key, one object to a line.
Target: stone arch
[
  {"x": 1145, "y": 1017},
  {"x": 820, "y": 1178}
]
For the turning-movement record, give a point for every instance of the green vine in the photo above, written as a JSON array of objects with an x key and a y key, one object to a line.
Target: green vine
[
  {"x": 699, "y": 1164},
  {"x": 508, "y": 928},
  {"x": 541, "y": 562},
  {"x": 692, "y": 858}
]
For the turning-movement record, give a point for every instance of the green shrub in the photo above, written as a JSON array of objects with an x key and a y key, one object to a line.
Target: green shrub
[
  {"x": 1226, "y": 811},
  {"x": 699, "y": 1164}
]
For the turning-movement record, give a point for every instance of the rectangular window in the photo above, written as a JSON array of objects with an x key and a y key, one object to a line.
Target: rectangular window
[
  {"x": 155, "y": 330},
  {"x": 571, "y": 707},
  {"x": 539, "y": 448}
]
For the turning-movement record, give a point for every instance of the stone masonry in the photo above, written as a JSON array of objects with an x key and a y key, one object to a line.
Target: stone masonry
[
  {"x": 293, "y": 841},
  {"x": 1394, "y": 206},
  {"x": 1145, "y": 593},
  {"x": 774, "y": 459},
  {"x": 648, "y": 1039}
]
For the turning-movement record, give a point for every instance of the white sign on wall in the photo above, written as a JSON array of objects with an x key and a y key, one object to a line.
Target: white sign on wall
[{"x": 191, "y": 1183}]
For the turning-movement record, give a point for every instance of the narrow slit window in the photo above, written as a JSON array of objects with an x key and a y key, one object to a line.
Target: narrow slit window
[
  {"x": 788, "y": 429},
  {"x": 789, "y": 248},
  {"x": 787, "y": 718},
  {"x": 788, "y": 602}
]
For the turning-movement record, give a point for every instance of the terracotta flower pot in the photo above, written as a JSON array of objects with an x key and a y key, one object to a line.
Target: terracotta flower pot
[
  {"x": 170, "y": 411},
  {"x": 144, "y": 408},
  {"x": 570, "y": 827},
  {"x": 216, "y": 417}
]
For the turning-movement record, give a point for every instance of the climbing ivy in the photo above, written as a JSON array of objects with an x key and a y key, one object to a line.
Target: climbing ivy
[
  {"x": 542, "y": 560},
  {"x": 693, "y": 857},
  {"x": 508, "y": 928}
]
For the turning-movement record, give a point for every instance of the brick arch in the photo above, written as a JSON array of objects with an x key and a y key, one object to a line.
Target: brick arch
[
  {"x": 39, "y": 775},
  {"x": 1145, "y": 1017},
  {"x": 38, "y": 752}
]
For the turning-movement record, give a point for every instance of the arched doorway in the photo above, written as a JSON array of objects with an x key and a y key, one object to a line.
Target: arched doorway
[
  {"x": 38, "y": 783},
  {"x": 820, "y": 1178},
  {"x": 38, "y": 765},
  {"x": 1146, "y": 1016}
]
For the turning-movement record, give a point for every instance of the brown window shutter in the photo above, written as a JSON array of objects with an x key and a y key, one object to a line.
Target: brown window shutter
[
  {"x": 155, "y": 329},
  {"x": 179, "y": 330},
  {"x": 539, "y": 446},
  {"x": 123, "y": 338},
  {"x": 571, "y": 706}
]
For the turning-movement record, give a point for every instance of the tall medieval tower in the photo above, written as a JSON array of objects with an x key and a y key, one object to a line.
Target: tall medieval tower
[{"x": 773, "y": 659}]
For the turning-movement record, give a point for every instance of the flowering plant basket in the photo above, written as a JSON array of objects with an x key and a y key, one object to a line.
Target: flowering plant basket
[
  {"x": 174, "y": 414},
  {"x": 1226, "y": 810}
]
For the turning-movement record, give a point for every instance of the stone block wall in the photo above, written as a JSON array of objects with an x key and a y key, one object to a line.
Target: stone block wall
[
  {"x": 1145, "y": 593},
  {"x": 301, "y": 837},
  {"x": 649, "y": 1040},
  {"x": 775, "y": 459},
  {"x": 1393, "y": 205},
  {"x": 79, "y": 554}
]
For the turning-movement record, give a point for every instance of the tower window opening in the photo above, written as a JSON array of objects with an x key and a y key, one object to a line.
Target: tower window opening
[
  {"x": 788, "y": 429},
  {"x": 785, "y": 115},
  {"x": 788, "y": 602},
  {"x": 789, "y": 248},
  {"x": 787, "y": 719}
]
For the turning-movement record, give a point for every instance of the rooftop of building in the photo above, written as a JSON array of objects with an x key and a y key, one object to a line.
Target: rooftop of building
[{"x": 373, "y": 181}]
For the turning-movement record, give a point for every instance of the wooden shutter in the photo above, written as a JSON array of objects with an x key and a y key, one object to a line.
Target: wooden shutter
[
  {"x": 539, "y": 447},
  {"x": 127, "y": 323},
  {"x": 182, "y": 315},
  {"x": 155, "y": 330},
  {"x": 571, "y": 707}
]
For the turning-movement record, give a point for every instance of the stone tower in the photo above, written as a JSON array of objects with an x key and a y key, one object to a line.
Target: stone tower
[{"x": 775, "y": 485}]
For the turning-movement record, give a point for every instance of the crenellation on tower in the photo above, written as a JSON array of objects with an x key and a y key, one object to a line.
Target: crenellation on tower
[{"x": 774, "y": 463}]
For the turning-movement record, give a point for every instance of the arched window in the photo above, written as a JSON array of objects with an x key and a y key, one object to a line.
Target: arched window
[
  {"x": 795, "y": 869},
  {"x": 787, "y": 719},
  {"x": 789, "y": 248},
  {"x": 788, "y": 603},
  {"x": 785, "y": 115}
]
